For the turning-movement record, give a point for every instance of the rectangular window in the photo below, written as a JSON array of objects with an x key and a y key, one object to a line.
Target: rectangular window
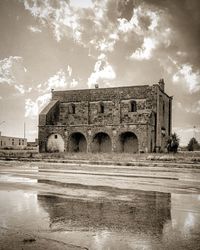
[
  {"x": 101, "y": 108},
  {"x": 72, "y": 108},
  {"x": 133, "y": 106}
]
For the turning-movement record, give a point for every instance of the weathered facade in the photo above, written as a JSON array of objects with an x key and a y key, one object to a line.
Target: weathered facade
[{"x": 122, "y": 119}]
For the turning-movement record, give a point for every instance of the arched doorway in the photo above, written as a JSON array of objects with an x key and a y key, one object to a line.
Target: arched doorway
[
  {"x": 55, "y": 143},
  {"x": 77, "y": 143},
  {"x": 101, "y": 143},
  {"x": 129, "y": 142}
]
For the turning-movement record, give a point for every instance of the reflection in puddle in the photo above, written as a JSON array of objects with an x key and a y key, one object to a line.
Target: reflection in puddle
[
  {"x": 20, "y": 210},
  {"x": 147, "y": 213},
  {"x": 16, "y": 179},
  {"x": 152, "y": 220}
]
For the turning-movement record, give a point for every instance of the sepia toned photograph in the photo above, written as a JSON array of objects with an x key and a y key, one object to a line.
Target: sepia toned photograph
[{"x": 99, "y": 124}]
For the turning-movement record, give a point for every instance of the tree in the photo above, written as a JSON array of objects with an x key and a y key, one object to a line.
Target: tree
[
  {"x": 193, "y": 144},
  {"x": 173, "y": 143}
]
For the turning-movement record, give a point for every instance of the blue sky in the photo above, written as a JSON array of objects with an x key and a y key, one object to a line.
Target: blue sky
[{"x": 75, "y": 44}]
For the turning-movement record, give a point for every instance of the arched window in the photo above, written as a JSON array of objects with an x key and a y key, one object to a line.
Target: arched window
[
  {"x": 133, "y": 106},
  {"x": 72, "y": 109}
]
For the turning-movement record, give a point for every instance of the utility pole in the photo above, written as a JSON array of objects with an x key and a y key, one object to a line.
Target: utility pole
[
  {"x": 24, "y": 130},
  {"x": 194, "y": 132}
]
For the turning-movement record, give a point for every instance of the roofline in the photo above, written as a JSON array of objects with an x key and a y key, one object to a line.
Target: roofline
[
  {"x": 164, "y": 92},
  {"x": 12, "y": 137},
  {"x": 120, "y": 87}
]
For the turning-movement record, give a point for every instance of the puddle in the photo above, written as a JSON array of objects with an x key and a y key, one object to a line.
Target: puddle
[
  {"x": 152, "y": 220},
  {"x": 5, "y": 178}
]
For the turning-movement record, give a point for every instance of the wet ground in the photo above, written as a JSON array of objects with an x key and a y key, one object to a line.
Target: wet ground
[{"x": 56, "y": 206}]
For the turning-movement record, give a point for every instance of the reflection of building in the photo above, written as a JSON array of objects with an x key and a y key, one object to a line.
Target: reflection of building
[
  {"x": 124, "y": 119},
  {"x": 12, "y": 142},
  {"x": 147, "y": 213}
]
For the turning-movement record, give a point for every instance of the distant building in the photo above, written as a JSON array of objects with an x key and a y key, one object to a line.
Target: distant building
[
  {"x": 32, "y": 143},
  {"x": 12, "y": 142},
  {"x": 122, "y": 119}
]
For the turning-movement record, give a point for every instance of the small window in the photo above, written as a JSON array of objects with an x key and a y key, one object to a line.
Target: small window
[
  {"x": 163, "y": 108},
  {"x": 55, "y": 136},
  {"x": 72, "y": 109},
  {"x": 133, "y": 106},
  {"x": 101, "y": 108}
]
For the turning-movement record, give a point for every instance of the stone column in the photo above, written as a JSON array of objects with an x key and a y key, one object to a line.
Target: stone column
[
  {"x": 158, "y": 125},
  {"x": 89, "y": 140}
]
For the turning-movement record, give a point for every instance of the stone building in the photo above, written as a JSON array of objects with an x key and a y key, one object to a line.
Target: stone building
[{"x": 122, "y": 119}]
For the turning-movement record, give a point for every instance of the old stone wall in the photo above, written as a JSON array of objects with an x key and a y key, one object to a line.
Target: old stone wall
[
  {"x": 105, "y": 138},
  {"x": 125, "y": 119}
]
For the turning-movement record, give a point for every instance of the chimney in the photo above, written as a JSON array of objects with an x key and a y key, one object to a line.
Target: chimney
[
  {"x": 96, "y": 86},
  {"x": 162, "y": 84},
  {"x": 52, "y": 90}
]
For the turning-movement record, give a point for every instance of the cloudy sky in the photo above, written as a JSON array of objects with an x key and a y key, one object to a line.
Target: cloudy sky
[{"x": 72, "y": 44}]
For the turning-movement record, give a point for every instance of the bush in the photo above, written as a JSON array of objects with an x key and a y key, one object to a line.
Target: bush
[
  {"x": 193, "y": 145},
  {"x": 173, "y": 143}
]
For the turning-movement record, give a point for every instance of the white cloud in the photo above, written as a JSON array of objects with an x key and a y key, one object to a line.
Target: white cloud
[
  {"x": 60, "y": 81},
  {"x": 154, "y": 20},
  {"x": 74, "y": 83},
  {"x": 20, "y": 88},
  {"x": 33, "y": 108},
  {"x": 102, "y": 71},
  {"x": 175, "y": 78},
  {"x": 185, "y": 74},
  {"x": 59, "y": 15},
  {"x": 135, "y": 23},
  {"x": 12, "y": 72},
  {"x": 107, "y": 44},
  {"x": 81, "y": 4},
  {"x": 6, "y": 69},
  {"x": 145, "y": 52},
  {"x": 34, "y": 29}
]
